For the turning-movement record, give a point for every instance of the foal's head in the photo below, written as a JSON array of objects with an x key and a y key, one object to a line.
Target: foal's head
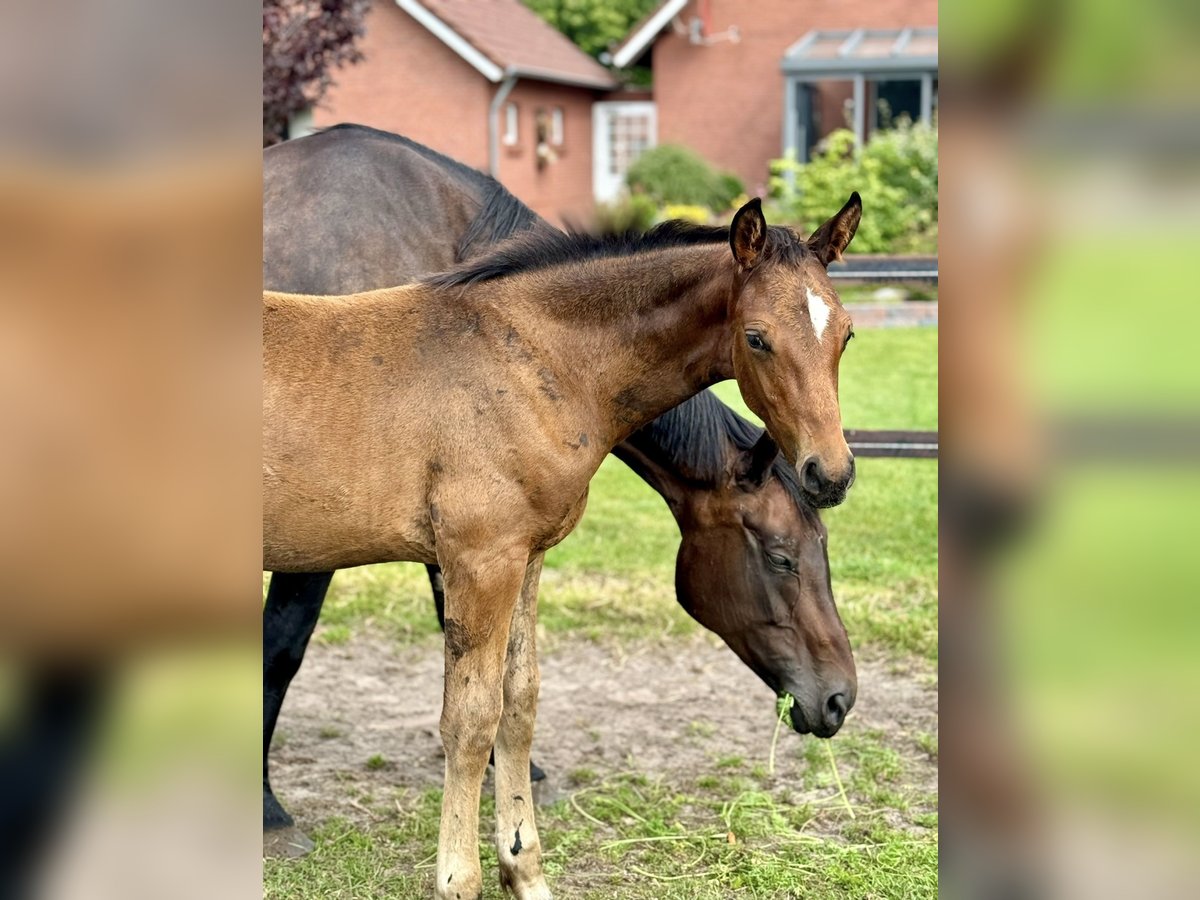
[
  {"x": 753, "y": 567},
  {"x": 789, "y": 331}
]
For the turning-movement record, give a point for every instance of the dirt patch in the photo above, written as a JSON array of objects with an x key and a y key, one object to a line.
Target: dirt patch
[{"x": 362, "y": 717}]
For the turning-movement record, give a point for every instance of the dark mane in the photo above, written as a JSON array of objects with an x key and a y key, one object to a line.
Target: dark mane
[
  {"x": 688, "y": 439},
  {"x": 548, "y": 248},
  {"x": 501, "y": 215}
]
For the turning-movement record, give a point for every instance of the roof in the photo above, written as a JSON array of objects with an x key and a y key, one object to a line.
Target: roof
[
  {"x": 642, "y": 34},
  {"x": 502, "y": 38},
  {"x": 866, "y": 50}
]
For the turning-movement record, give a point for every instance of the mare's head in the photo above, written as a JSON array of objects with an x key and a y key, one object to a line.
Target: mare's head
[
  {"x": 789, "y": 331},
  {"x": 753, "y": 567}
]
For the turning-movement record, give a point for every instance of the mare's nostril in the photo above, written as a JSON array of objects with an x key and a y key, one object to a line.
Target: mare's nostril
[
  {"x": 835, "y": 711},
  {"x": 811, "y": 476}
]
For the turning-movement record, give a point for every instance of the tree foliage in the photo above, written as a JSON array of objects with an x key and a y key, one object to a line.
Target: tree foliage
[
  {"x": 593, "y": 25},
  {"x": 303, "y": 40}
]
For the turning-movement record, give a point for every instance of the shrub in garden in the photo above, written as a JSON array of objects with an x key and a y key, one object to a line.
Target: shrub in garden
[
  {"x": 633, "y": 213},
  {"x": 897, "y": 174},
  {"x": 672, "y": 174},
  {"x": 698, "y": 214}
]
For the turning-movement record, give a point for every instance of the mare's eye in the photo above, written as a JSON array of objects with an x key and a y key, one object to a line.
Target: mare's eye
[
  {"x": 849, "y": 337},
  {"x": 757, "y": 341},
  {"x": 780, "y": 562}
]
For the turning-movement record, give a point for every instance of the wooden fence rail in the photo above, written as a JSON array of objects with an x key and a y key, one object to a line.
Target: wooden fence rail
[{"x": 905, "y": 444}]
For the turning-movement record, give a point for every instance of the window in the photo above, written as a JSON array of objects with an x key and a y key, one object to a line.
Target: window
[
  {"x": 556, "y": 126},
  {"x": 511, "y": 132}
]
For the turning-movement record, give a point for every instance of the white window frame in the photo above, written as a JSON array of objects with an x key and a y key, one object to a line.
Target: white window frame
[
  {"x": 606, "y": 187},
  {"x": 557, "y": 126},
  {"x": 512, "y": 125}
]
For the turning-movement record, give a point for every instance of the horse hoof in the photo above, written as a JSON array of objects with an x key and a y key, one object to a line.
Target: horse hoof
[
  {"x": 535, "y": 772},
  {"x": 286, "y": 843}
]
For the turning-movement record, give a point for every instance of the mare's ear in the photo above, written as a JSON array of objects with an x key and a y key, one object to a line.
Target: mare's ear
[
  {"x": 834, "y": 236},
  {"x": 748, "y": 234},
  {"x": 753, "y": 466}
]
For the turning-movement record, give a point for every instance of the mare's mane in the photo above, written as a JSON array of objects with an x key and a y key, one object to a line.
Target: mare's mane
[{"x": 688, "y": 439}]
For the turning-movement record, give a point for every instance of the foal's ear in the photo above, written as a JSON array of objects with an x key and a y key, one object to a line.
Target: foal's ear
[
  {"x": 748, "y": 234},
  {"x": 754, "y": 465},
  {"x": 834, "y": 236}
]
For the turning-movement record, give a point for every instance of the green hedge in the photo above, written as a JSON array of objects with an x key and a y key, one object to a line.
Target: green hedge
[
  {"x": 896, "y": 173},
  {"x": 674, "y": 175}
]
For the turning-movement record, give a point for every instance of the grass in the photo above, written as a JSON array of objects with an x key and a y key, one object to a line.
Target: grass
[
  {"x": 732, "y": 829},
  {"x": 721, "y": 834}
]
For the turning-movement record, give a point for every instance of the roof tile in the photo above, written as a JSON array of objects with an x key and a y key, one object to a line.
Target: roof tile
[{"x": 513, "y": 36}]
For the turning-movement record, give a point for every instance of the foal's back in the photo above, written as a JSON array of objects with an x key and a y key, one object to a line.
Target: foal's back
[{"x": 342, "y": 429}]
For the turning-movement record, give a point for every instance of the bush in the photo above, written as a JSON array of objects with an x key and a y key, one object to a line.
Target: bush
[
  {"x": 674, "y": 175},
  {"x": 896, "y": 173},
  {"x": 698, "y": 214},
  {"x": 635, "y": 213}
]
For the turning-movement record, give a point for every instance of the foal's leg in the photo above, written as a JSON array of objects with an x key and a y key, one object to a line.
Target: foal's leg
[
  {"x": 289, "y": 616},
  {"x": 517, "y": 841},
  {"x": 482, "y": 587},
  {"x": 439, "y": 606}
]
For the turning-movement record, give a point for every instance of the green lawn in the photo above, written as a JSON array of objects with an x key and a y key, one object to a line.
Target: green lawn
[{"x": 718, "y": 835}]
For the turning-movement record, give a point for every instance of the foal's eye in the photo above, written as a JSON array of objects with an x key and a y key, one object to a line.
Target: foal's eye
[
  {"x": 757, "y": 341},
  {"x": 780, "y": 562}
]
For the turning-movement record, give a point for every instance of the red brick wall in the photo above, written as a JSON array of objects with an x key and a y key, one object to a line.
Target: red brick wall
[
  {"x": 726, "y": 101},
  {"x": 413, "y": 84},
  {"x": 562, "y": 189}
]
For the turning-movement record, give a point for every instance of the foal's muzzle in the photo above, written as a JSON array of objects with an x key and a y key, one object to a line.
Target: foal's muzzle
[{"x": 823, "y": 490}]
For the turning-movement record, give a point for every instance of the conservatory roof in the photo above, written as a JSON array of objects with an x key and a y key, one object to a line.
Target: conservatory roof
[{"x": 863, "y": 50}]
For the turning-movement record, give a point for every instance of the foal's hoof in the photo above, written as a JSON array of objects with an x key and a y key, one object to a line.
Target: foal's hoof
[{"x": 286, "y": 843}]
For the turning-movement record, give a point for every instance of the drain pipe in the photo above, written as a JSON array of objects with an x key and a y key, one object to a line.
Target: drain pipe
[{"x": 502, "y": 93}]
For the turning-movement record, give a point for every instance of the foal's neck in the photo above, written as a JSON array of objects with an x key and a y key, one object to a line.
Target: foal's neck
[{"x": 642, "y": 333}]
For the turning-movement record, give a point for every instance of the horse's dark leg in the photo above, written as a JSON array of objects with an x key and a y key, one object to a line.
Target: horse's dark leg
[
  {"x": 439, "y": 605},
  {"x": 40, "y": 760},
  {"x": 439, "y": 593},
  {"x": 289, "y": 617}
]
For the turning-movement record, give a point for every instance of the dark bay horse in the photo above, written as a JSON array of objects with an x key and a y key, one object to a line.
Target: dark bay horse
[{"x": 364, "y": 462}]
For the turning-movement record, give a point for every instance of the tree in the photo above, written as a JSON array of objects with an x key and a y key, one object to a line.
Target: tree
[
  {"x": 303, "y": 40},
  {"x": 593, "y": 25}
]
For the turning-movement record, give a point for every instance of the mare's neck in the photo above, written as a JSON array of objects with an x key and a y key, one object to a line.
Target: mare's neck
[{"x": 683, "y": 453}]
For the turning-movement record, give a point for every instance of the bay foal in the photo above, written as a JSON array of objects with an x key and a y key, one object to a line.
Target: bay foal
[{"x": 460, "y": 419}]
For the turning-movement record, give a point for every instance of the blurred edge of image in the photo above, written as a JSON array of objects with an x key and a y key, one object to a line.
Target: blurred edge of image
[
  {"x": 129, "y": 389},
  {"x": 130, "y": 206},
  {"x": 1069, "y": 401}
]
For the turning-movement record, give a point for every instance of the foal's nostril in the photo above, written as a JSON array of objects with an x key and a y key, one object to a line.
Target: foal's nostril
[
  {"x": 835, "y": 711},
  {"x": 812, "y": 477}
]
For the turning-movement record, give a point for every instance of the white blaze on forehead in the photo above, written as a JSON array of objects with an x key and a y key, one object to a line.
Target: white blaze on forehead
[{"x": 818, "y": 311}]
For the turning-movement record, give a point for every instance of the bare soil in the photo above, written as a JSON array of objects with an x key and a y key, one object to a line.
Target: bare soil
[{"x": 672, "y": 707}]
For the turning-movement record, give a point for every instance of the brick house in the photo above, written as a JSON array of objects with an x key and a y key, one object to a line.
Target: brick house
[
  {"x": 742, "y": 83},
  {"x": 486, "y": 82},
  {"x": 491, "y": 84}
]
